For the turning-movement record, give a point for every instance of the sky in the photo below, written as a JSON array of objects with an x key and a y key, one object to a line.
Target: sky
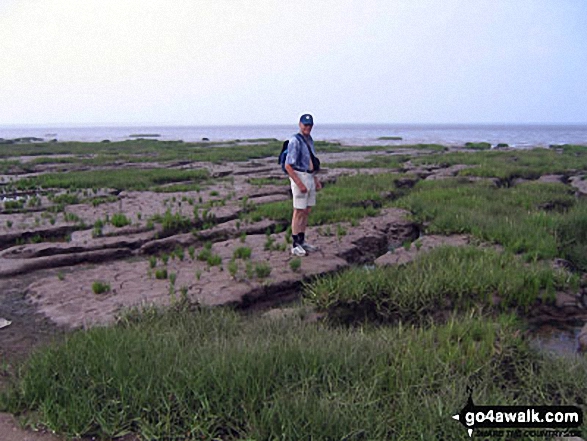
[{"x": 200, "y": 62}]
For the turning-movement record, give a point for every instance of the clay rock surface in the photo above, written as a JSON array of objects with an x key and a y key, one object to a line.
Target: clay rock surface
[
  {"x": 579, "y": 184},
  {"x": 401, "y": 255},
  {"x": 70, "y": 301}
]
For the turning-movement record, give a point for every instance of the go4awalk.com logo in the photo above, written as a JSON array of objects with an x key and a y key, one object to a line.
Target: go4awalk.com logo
[{"x": 520, "y": 421}]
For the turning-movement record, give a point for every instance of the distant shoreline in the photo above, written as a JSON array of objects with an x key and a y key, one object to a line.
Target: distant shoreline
[{"x": 515, "y": 135}]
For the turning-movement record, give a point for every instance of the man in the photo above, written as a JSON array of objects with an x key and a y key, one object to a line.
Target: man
[{"x": 304, "y": 183}]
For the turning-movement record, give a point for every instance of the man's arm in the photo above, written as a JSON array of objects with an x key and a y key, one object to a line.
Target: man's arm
[
  {"x": 317, "y": 183},
  {"x": 292, "y": 173}
]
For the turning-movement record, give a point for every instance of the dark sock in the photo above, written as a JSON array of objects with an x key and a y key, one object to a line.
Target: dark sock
[
  {"x": 296, "y": 240},
  {"x": 301, "y": 236}
]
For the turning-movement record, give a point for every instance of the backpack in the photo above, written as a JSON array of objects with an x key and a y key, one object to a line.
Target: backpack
[{"x": 283, "y": 155}]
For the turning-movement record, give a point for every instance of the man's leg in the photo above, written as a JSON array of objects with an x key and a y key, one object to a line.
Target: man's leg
[
  {"x": 311, "y": 201},
  {"x": 304, "y": 224},
  {"x": 298, "y": 221},
  {"x": 299, "y": 217},
  {"x": 306, "y": 215}
]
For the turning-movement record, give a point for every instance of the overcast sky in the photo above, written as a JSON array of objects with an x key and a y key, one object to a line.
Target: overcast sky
[{"x": 268, "y": 61}]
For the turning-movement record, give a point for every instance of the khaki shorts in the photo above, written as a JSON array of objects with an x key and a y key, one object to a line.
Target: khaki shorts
[{"x": 301, "y": 200}]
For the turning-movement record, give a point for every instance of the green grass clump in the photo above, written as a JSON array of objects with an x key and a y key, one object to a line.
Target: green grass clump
[
  {"x": 262, "y": 270},
  {"x": 103, "y": 200},
  {"x": 211, "y": 374},
  {"x": 207, "y": 255},
  {"x": 97, "y": 230},
  {"x": 120, "y": 220},
  {"x": 161, "y": 274},
  {"x": 173, "y": 223},
  {"x": 152, "y": 262},
  {"x": 295, "y": 264},
  {"x": 179, "y": 252},
  {"x": 242, "y": 253},
  {"x": 522, "y": 218},
  {"x": 214, "y": 260},
  {"x": 451, "y": 278},
  {"x": 14, "y": 205},
  {"x": 478, "y": 145},
  {"x": 233, "y": 268},
  {"x": 204, "y": 254},
  {"x": 99, "y": 287},
  {"x": 390, "y": 138},
  {"x": 66, "y": 199}
]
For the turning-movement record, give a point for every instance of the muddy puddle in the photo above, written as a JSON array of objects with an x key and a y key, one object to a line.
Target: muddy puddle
[{"x": 558, "y": 339}]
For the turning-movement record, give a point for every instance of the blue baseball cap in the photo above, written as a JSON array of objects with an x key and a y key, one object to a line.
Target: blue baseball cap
[{"x": 307, "y": 119}]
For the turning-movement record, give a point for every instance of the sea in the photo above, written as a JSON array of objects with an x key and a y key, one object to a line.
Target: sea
[{"x": 522, "y": 136}]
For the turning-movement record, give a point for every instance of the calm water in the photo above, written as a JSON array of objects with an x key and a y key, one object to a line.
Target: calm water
[{"x": 514, "y": 135}]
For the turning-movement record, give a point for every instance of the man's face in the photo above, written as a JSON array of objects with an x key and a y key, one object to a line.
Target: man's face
[{"x": 305, "y": 129}]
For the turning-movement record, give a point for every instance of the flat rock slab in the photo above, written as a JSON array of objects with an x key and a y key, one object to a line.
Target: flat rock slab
[
  {"x": 579, "y": 184},
  {"x": 401, "y": 255},
  {"x": 447, "y": 172},
  {"x": 13, "y": 267},
  {"x": 69, "y": 300},
  {"x": 10, "y": 430},
  {"x": 552, "y": 178},
  {"x": 31, "y": 251}
]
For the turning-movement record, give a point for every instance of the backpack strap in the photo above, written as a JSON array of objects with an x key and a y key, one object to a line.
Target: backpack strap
[
  {"x": 302, "y": 139},
  {"x": 312, "y": 156}
]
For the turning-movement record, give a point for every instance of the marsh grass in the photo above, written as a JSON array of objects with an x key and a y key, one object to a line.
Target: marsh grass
[
  {"x": 161, "y": 274},
  {"x": 242, "y": 253},
  {"x": 478, "y": 145},
  {"x": 507, "y": 165},
  {"x": 571, "y": 234},
  {"x": 211, "y": 374},
  {"x": 99, "y": 287},
  {"x": 172, "y": 223},
  {"x": 120, "y": 220},
  {"x": 66, "y": 199},
  {"x": 102, "y": 200},
  {"x": 524, "y": 218},
  {"x": 351, "y": 197},
  {"x": 120, "y": 179},
  {"x": 152, "y": 262},
  {"x": 430, "y": 284},
  {"x": 262, "y": 270},
  {"x": 295, "y": 264},
  {"x": 373, "y": 161},
  {"x": 10, "y": 206}
]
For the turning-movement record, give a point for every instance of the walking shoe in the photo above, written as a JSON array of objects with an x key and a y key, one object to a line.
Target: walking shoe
[
  {"x": 308, "y": 247},
  {"x": 298, "y": 251}
]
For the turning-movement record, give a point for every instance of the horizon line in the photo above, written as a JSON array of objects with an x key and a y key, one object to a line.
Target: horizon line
[{"x": 147, "y": 124}]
